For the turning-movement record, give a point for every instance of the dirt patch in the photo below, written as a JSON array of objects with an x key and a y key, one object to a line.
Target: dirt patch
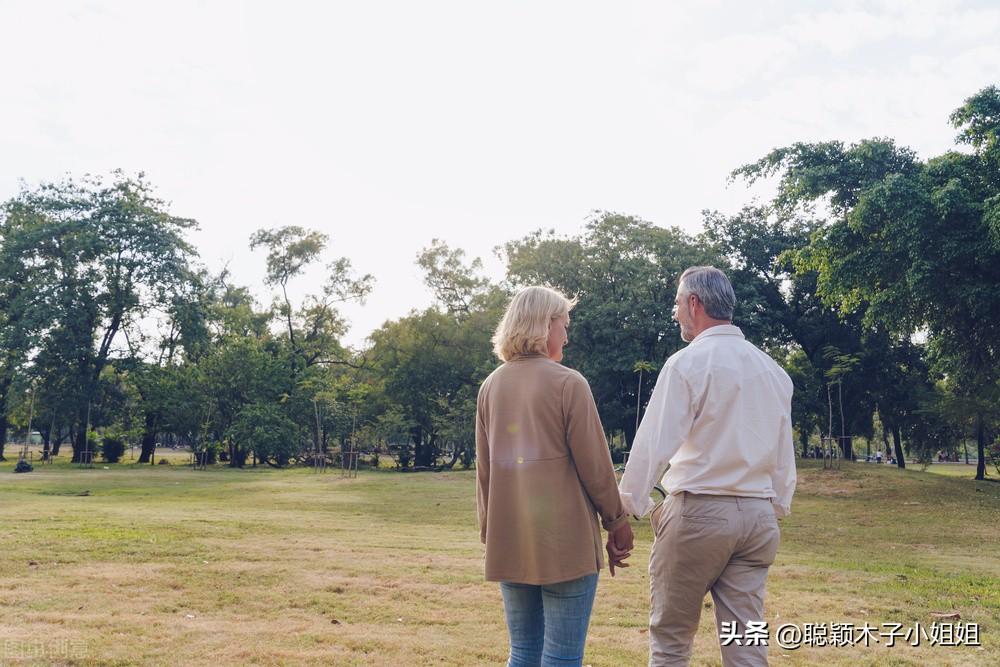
[{"x": 828, "y": 483}]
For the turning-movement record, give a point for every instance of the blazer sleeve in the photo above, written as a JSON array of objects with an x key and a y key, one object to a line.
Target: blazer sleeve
[
  {"x": 482, "y": 468},
  {"x": 589, "y": 449}
]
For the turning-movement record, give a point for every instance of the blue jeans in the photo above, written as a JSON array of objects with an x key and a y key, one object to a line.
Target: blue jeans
[{"x": 548, "y": 624}]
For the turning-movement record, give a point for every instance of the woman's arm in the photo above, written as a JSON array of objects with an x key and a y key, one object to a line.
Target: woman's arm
[
  {"x": 585, "y": 438},
  {"x": 482, "y": 468}
]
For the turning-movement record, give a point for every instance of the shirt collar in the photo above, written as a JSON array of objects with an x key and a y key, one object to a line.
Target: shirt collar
[{"x": 719, "y": 330}]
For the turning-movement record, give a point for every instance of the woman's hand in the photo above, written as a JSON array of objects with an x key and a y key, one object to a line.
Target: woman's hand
[{"x": 619, "y": 546}]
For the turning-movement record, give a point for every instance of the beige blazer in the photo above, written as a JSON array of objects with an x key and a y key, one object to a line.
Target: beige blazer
[{"x": 544, "y": 474}]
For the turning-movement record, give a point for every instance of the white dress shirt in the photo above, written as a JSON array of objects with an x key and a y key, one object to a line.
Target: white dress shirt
[{"x": 720, "y": 415}]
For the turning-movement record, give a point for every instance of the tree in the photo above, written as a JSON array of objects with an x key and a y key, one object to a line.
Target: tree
[
  {"x": 108, "y": 253},
  {"x": 23, "y": 316},
  {"x": 425, "y": 360},
  {"x": 237, "y": 373},
  {"x": 393, "y": 427},
  {"x": 458, "y": 286},
  {"x": 807, "y": 404},
  {"x": 912, "y": 245},
  {"x": 780, "y": 310},
  {"x": 170, "y": 397},
  {"x": 264, "y": 429},
  {"x": 314, "y": 332},
  {"x": 624, "y": 272},
  {"x": 425, "y": 368}
]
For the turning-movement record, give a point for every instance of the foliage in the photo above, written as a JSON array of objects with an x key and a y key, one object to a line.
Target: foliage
[
  {"x": 104, "y": 254},
  {"x": 870, "y": 276},
  {"x": 264, "y": 430},
  {"x": 877, "y": 208},
  {"x": 112, "y": 449},
  {"x": 624, "y": 272}
]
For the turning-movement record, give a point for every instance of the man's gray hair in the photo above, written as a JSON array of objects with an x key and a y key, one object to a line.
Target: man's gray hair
[{"x": 712, "y": 288}]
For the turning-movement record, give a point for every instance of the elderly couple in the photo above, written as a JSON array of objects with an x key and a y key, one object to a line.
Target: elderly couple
[{"x": 719, "y": 417}]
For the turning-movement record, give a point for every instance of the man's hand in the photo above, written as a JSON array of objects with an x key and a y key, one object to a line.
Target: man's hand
[
  {"x": 619, "y": 546},
  {"x": 623, "y": 537}
]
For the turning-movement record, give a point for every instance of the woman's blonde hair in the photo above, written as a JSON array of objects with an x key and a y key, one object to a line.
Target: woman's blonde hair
[{"x": 524, "y": 328}]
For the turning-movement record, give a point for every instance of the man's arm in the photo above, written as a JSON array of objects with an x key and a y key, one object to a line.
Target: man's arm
[
  {"x": 664, "y": 428},
  {"x": 783, "y": 479}
]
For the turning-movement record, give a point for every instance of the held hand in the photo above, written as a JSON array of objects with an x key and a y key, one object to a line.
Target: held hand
[
  {"x": 619, "y": 547},
  {"x": 616, "y": 558},
  {"x": 622, "y": 536}
]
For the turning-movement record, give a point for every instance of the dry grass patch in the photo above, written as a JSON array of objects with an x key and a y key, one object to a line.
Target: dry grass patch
[{"x": 169, "y": 566}]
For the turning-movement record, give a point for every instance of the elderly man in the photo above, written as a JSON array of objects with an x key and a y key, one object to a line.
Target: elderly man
[{"x": 720, "y": 417}]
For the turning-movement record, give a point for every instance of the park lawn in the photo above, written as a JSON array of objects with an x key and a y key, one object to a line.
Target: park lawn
[
  {"x": 966, "y": 470},
  {"x": 163, "y": 565}
]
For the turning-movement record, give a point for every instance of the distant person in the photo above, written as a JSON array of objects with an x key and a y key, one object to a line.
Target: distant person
[
  {"x": 720, "y": 416},
  {"x": 544, "y": 475}
]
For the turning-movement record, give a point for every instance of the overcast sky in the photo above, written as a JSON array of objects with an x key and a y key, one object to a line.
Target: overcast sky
[{"x": 388, "y": 124}]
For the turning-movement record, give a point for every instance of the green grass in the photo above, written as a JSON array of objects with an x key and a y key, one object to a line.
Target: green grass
[
  {"x": 163, "y": 565},
  {"x": 960, "y": 469}
]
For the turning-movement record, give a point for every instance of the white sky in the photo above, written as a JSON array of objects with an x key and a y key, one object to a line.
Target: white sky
[{"x": 387, "y": 124}]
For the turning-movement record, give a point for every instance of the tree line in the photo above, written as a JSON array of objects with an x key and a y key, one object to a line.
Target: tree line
[{"x": 871, "y": 275}]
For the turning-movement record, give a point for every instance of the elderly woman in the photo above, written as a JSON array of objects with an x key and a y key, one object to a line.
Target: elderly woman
[{"x": 544, "y": 475}]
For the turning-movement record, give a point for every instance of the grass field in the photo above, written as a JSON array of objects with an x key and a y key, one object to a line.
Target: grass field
[{"x": 162, "y": 565}]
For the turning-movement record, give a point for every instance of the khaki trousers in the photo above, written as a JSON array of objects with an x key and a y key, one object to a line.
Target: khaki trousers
[{"x": 722, "y": 544}]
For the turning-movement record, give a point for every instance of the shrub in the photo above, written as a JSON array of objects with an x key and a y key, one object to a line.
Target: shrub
[
  {"x": 112, "y": 450},
  {"x": 208, "y": 453},
  {"x": 264, "y": 429}
]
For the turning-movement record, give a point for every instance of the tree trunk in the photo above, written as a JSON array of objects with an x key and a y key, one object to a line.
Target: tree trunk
[
  {"x": 237, "y": 456},
  {"x": 981, "y": 446},
  {"x": 4, "y": 423},
  {"x": 628, "y": 431},
  {"x": 804, "y": 441},
  {"x": 847, "y": 447},
  {"x": 148, "y": 439},
  {"x": 46, "y": 443},
  {"x": 898, "y": 443},
  {"x": 423, "y": 449},
  {"x": 80, "y": 442}
]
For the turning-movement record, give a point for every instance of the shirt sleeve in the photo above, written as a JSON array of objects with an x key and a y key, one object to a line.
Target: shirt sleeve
[
  {"x": 783, "y": 479},
  {"x": 666, "y": 424},
  {"x": 482, "y": 469},
  {"x": 591, "y": 456}
]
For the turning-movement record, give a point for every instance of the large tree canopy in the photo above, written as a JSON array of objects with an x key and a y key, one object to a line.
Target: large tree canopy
[
  {"x": 910, "y": 244},
  {"x": 109, "y": 253}
]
